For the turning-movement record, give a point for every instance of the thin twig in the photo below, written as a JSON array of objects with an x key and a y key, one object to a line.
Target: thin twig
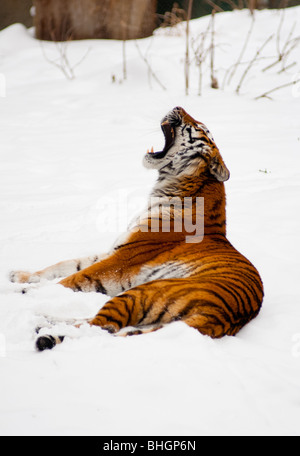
[
  {"x": 124, "y": 60},
  {"x": 82, "y": 59},
  {"x": 287, "y": 67},
  {"x": 251, "y": 5},
  {"x": 243, "y": 49},
  {"x": 149, "y": 67},
  {"x": 215, "y": 6},
  {"x": 251, "y": 63},
  {"x": 214, "y": 81},
  {"x": 64, "y": 64},
  {"x": 266, "y": 94},
  {"x": 201, "y": 54},
  {"x": 187, "y": 52},
  {"x": 279, "y": 31},
  {"x": 146, "y": 54},
  {"x": 246, "y": 62}
]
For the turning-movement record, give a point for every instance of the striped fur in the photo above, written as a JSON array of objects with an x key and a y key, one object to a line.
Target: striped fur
[{"x": 155, "y": 277}]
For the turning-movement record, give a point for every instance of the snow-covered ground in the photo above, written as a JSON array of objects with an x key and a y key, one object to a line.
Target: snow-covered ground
[{"x": 71, "y": 161}]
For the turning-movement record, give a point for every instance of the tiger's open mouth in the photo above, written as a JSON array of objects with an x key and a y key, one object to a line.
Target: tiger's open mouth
[{"x": 170, "y": 135}]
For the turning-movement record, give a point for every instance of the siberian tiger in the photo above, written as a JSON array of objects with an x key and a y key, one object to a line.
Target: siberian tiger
[{"x": 157, "y": 276}]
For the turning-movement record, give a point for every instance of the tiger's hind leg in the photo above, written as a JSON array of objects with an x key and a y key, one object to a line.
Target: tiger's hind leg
[
  {"x": 59, "y": 270},
  {"x": 164, "y": 301}
]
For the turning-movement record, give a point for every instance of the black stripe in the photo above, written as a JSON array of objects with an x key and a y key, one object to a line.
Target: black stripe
[
  {"x": 247, "y": 283},
  {"x": 239, "y": 276},
  {"x": 219, "y": 277},
  {"x": 217, "y": 204},
  {"x": 216, "y": 225},
  {"x": 110, "y": 319},
  {"x": 158, "y": 319},
  {"x": 143, "y": 241},
  {"x": 114, "y": 308},
  {"x": 232, "y": 293},
  {"x": 213, "y": 321},
  {"x": 146, "y": 252},
  {"x": 99, "y": 288},
  {"x": 237, "y": 295},
  {"x": 215, "y": 216},
  {"x": 128, "y": 313},
  {"x": 213, "y": 305},
  {"x": 154, "y": 298},
  {"x": 123, "y": 298},
  {"x": 205, "y": 139},
  {"x": 218, "y": 296},
  {"x": 145, "y": 311},
  {"x": 201, "y": 304},
  {"x": 183, "y": 313},
  {"x": 198, "y": 155}
]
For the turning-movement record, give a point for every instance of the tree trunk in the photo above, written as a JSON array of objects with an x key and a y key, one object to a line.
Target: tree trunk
[
  {"x": 61, "y": 20},
  {"x": 12, "y": 11}
]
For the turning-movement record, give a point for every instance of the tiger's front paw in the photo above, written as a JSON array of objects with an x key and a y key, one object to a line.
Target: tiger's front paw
[{"x": 23, "y": 277}]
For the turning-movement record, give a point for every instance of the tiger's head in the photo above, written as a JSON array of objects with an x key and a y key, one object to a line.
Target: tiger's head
[{"x": 189, "y": 149}]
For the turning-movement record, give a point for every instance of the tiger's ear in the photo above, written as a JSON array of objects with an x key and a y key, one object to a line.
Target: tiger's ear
[{"x": 218, "y": 169}]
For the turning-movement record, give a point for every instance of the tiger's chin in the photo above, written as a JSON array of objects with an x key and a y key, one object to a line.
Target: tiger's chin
[{"x": 151, "y": 163}]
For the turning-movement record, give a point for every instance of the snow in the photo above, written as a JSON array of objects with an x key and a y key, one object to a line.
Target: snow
[{"x": 70, "y": 151}]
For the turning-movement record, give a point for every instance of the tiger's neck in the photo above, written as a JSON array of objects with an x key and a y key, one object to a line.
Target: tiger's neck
[{"x": 203, "y": 186}]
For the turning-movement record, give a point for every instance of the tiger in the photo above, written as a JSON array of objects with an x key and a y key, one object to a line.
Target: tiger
[{"x": 155, "y": 276}]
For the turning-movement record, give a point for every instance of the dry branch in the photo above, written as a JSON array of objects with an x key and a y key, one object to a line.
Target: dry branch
[
  {"x": 62, "y": 62},
  {"x": 215, "y": 6}
]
